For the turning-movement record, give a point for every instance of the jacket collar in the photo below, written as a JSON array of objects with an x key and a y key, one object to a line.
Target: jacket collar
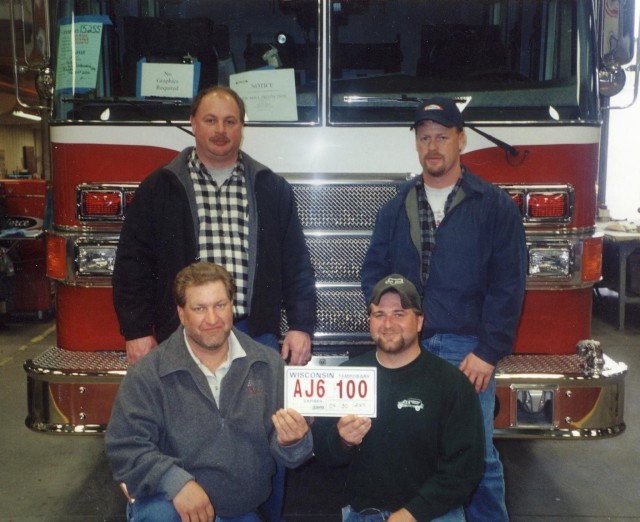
[
  {"x": 175, "y": 356},
  {"x": 470, "y": 183}
]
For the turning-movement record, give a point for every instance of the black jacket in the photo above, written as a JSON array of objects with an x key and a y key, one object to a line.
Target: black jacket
[{"x": 159, "y": 238}]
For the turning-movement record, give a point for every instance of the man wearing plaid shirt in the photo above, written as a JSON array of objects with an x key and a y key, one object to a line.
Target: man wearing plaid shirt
[
  {"x": 215, "y": 203},
  {"x": 460, "y": 241}
]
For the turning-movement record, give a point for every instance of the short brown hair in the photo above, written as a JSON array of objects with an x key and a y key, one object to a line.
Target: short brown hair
[
  {"x": 222, "y": 90},
  {"x": 198, "y": 274}
]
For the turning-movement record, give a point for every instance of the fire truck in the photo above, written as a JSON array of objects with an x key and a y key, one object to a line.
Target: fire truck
[{"x": 331, "y": 87}]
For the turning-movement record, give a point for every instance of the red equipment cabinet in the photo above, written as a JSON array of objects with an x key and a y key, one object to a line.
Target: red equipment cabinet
[{"x": 31, "y": 292}]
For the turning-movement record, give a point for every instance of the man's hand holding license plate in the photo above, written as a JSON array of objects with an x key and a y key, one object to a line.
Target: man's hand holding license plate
[{"x": 331, "y": 391}]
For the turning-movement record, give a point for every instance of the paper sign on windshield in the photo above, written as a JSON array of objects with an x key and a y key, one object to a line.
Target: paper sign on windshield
[
  {"x": 168, "y": 80},
  {"x": 79, "y": 54},
  {"x": 269, "y": 94}
]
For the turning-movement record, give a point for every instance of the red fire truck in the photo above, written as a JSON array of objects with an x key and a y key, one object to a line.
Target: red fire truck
[{"x": 331, "y": 87}]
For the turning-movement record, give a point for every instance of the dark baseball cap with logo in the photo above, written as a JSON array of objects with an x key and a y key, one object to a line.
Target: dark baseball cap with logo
[
  {"x": 409, "y": 296},
  {"x": 441, "y": 110}
]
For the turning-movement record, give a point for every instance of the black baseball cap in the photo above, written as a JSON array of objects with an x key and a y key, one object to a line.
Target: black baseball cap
[
  {"x": 441, "y": 110},
  {"x": 409, "y": 296}
]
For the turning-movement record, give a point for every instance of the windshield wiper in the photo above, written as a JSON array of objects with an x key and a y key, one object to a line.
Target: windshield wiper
[
  {"x": 509, "y": 149},
  {"x": 147, "y": 109},
  {"x": 366, "y": 99}
]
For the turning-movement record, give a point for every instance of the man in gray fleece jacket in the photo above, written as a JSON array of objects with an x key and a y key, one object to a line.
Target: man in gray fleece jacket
[{"x": 198, "y": 425}]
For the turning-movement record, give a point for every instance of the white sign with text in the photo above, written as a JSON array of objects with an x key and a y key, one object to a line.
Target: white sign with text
[
  {"x": 331, "y": 391},
  {"x": 268, "y": 94},
  {"x": 167, "y": 80}
]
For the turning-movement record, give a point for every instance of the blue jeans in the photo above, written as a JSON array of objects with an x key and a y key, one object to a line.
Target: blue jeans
[
  {"x": 488, "y": 501},
  {"x": 158, "y": 509},
  {"x": 274, "y": 505},
  {"x": 375, "y": 515},
  {"x": 266, "y": 339}
]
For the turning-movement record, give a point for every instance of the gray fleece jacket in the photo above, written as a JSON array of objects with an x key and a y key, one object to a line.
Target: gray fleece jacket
[{"x": 167, "y": 429}]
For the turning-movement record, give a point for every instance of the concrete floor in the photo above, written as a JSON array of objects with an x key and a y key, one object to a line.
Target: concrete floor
[{"x": 60, "y": 478}]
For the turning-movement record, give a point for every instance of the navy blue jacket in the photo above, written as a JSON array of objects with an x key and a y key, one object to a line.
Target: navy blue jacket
[{"x": 478, "y": 267}]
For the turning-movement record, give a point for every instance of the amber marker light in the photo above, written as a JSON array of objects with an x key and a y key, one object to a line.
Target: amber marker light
[
  {"x": 592, "y": 259},
  {"x": 56, "y": 257}
]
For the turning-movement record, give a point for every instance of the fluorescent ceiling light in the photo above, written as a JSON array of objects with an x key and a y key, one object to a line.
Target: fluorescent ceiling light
[{"x": 22, "y": 114}]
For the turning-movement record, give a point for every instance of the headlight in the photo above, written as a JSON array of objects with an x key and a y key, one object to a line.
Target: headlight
[
  {"x": 550, "y": 262},
  {"x": 96, "y": 259}
]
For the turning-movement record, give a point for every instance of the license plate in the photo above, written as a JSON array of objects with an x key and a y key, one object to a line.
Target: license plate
[{"x": 331, "y": 391}]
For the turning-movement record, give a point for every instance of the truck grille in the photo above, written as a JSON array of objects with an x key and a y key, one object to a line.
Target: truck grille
[
  {"x": 338, "y": 218},
  {"x": 342, "y": 310},
  {"x": 338, "y": 258},
  {"x": 336, "y": 206}
]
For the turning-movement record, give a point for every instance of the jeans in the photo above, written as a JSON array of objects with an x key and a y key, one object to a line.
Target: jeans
[
  {"x": 267, "y": 339},
  {"x": 488, "y": 501},
  {"x": 274, "y": 505},
  {"x": 375, "y": 515},
  {"x": 158, "y": 509}
]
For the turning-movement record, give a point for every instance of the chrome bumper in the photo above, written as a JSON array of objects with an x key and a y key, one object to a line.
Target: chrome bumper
[{"x": 559, "y": 396}]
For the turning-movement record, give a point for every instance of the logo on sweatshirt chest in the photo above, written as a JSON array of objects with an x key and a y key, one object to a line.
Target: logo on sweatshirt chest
[{"x": 415, "y": 404}]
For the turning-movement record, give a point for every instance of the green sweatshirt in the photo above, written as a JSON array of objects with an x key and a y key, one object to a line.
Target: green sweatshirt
[{"x": 425, "y": 449}]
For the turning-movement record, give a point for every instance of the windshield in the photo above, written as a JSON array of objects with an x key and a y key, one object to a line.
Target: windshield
[
  {"x": 144, "y": 60},
  {"x": 506, "y": 60},
  {"x": 509, "y": 60}
]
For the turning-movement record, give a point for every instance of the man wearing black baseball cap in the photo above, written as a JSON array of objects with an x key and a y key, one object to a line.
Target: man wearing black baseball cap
[
  {"x": 440, "y": 110},
  {"x": 460, "y": 241},
  {"x": 409, "y": 297},
  {"x": 421, "y": 457}
]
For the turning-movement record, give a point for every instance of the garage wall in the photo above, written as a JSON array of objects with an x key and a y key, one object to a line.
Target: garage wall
[{"x": 12, "y": 139}]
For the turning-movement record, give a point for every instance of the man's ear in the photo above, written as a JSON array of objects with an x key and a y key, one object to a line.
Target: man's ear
[{"x": 180, "y": 314}]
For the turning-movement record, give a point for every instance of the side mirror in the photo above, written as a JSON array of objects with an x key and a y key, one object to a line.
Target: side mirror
[
  {"x": 616, "y": 44},
  {"x": 611, "y": 80}
]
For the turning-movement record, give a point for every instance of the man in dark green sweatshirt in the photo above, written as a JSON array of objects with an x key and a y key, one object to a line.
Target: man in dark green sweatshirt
[{"x": 422, "y": 456}]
